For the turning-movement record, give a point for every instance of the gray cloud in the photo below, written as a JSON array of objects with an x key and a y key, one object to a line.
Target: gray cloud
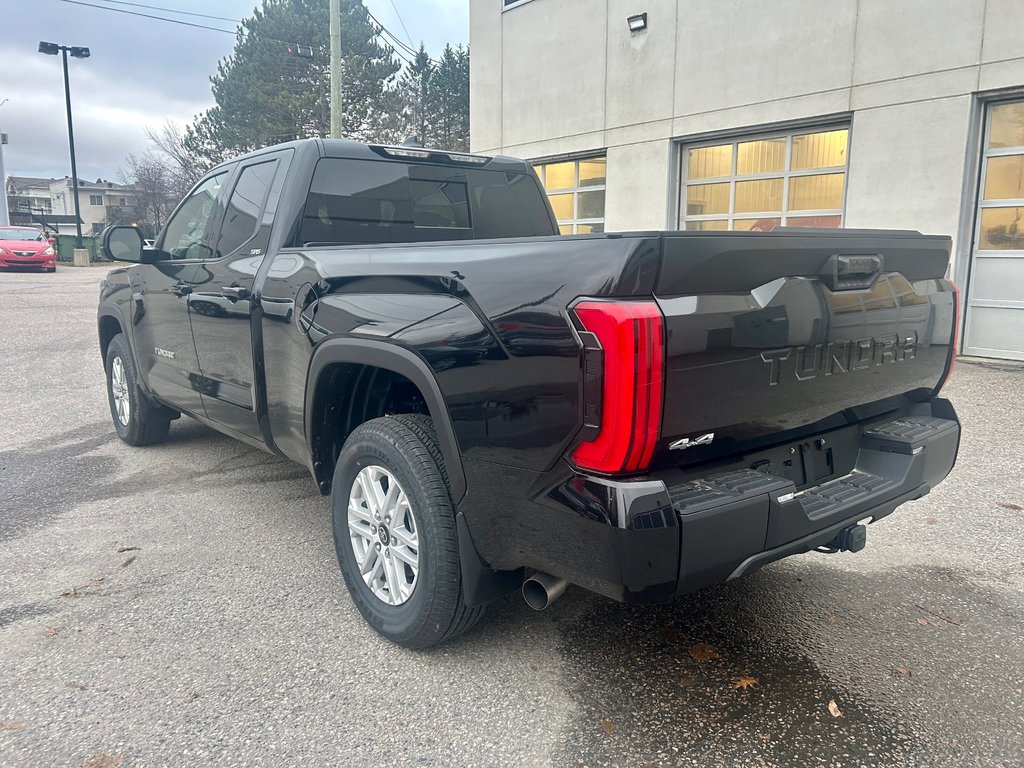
[{"x": 141, "y": 73}]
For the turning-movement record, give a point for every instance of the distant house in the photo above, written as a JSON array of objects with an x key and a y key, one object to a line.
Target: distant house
[
  {"x": 48, "y": 203},
  {"x": 100, "y": 202}
]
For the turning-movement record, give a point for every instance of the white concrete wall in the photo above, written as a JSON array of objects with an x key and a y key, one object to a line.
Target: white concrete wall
[{"x": 554, "y": 77}]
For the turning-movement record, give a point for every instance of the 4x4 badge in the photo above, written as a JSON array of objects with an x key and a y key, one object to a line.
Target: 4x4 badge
[{"x": 686, "y": 442}]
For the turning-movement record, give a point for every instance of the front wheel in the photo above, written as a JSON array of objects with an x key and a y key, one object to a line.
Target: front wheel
[
  {"x": 394, "y": 532},
  {"x": 136, "y": 423}
]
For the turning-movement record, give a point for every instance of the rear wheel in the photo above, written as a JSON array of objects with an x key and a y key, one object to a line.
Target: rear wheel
[
  {"x": 394, "y": 532},
  {"x": 135, "y": 421}
]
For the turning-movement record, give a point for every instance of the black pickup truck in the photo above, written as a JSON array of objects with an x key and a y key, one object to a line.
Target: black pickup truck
[{"x": 492, "y": 406}]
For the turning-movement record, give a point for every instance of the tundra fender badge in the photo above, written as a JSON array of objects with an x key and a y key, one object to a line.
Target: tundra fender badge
[
  {"x": 686, "y": 442},
  {"x": 164, "y": 353}
]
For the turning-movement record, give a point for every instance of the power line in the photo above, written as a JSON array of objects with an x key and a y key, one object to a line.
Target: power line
[
  {"x": 402, "y": 22},
  {"x": 149, "y": 16},
  {"x": 388, "y": 38},
  {"x": 381, "y": 29},
  {"x": 169, "y": 10}
]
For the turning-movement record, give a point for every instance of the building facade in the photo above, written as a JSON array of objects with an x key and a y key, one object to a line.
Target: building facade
[
  {"x": 739, "y": 115},
  {"x": 100, "y": 203}
]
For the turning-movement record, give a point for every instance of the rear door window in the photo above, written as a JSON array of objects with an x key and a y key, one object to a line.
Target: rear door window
[
  {"x": 241, "y": 219},
  {"x": 367, "y": 201}
]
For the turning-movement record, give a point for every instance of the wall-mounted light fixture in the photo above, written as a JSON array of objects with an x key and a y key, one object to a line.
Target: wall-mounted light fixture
[{"x": 637, "y": 23}]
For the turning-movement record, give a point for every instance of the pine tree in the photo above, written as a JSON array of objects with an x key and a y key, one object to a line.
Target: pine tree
[
  {"x": 265, "y": 95},
  {"x": 448, "y": 100},
  {"x": 414, "y": 88}
]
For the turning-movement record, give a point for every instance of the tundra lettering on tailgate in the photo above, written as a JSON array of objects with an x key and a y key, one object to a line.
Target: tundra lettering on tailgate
[{"x": 839, "y": 356}]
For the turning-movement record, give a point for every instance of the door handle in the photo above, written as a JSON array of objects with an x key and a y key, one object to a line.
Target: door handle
[
  {"x": 181, "y": 289},
  {"x": 234, "y": 292}
]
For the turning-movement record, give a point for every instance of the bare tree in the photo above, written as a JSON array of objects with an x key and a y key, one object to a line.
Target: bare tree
[
  {"x": 151, "y": 179},
  {"x": 184, "y": 165}
]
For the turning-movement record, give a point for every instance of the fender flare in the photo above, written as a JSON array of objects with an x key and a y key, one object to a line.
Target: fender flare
[
  {"x": 110, "y": 311},
  {"x": 401, "y": 360}
]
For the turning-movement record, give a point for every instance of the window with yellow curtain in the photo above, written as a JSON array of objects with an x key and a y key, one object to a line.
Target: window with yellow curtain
[
  {"x": 756, "y": 183},
  {"x": 576, "y": 189}
]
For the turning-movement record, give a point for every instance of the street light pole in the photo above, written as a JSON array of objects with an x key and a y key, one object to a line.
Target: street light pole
[
  {"x": 5, "y": 218},
  {"x": 78, "y": 52},
  {"x": 71, "y": 144}
]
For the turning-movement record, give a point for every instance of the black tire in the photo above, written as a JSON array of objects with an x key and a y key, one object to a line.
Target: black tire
[
  {"x": 406, "y": 446},
  {"x": 145, "y": 424}
]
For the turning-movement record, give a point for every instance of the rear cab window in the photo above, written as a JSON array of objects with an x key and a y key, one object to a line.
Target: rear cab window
[{"x": 369, "y": 201}]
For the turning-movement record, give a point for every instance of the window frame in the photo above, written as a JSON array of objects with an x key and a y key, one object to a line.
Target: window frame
[
  {"x": 508, "y": 5},
  {"x": 574, "y": 190},
  {"x": 734, "y": 139},
  {"x": 216, "y": 254},
  {"x": 988, "y": 153},
  {"x": 93, "y": 198}
]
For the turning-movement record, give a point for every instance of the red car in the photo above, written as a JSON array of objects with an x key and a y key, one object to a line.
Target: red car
[{"x": 27, "y": 247}]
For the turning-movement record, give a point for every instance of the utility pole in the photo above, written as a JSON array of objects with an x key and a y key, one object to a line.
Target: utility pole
[{"x": 335, "y": 32}]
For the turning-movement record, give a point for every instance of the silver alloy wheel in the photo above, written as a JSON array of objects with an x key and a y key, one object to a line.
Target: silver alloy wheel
[
  {"x": 119, "y": 389},
  {"x": 382, "y": 530}
]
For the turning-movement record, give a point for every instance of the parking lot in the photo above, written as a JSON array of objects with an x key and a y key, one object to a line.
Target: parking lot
[{"x": 181, "y": 605}]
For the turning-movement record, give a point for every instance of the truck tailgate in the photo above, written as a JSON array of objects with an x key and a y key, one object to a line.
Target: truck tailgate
[{"x": 772, "y": 333}]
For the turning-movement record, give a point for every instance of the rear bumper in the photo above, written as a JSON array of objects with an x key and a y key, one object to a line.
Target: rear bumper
[{"x": 647, "y": 540}]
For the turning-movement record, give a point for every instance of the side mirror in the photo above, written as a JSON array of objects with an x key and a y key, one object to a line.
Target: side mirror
[
  {"x": 121, "y": 243},
  {"x": 51, "y": 240}
]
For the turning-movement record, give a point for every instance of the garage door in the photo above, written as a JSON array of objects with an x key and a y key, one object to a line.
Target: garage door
[{"x": 995, "y": 298}]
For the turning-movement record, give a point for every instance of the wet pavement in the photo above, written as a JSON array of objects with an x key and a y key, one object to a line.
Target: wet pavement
[{"x": 180, "y": 605}]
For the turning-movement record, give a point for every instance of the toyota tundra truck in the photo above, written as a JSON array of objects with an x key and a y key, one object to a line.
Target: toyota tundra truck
[{"x": 491, "y": 406}]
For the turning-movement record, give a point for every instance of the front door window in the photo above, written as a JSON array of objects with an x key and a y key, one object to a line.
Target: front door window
[{"x": 183, "y": 237}]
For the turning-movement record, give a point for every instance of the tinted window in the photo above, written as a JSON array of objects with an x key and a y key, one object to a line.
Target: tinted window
[
  {"x": 241, "y": 219},
  {"x": 359, "y": 201},
  {"x": 183, "y": 237}
]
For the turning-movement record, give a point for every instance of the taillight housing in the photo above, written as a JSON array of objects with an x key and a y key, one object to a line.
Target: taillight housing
[
  {"x": 951, "y": 359},
  {"x": 630, "y": 337}
]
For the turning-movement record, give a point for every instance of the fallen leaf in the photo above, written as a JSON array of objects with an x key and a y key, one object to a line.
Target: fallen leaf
[
  {"x": 931, "y": 520},
  {"x": 928, "y": 623},
  {"x": 128, "y": 549},
  {"x": 129, "y": 561},
  {"x": 1012, "y": 507},
  {"x": 831, "y": 619},
  {"x": 79, "y": 686},
  {"x": 704, "y": 652},
  {"x": 833, "y": 709},
  {"x": 52, "y": 631},
  {"x": 105, "y": 760},
  {"x": 901, "y": 671},
  {"x": 686, "y": 682},
  {"x": 608, "y": 726},
  {"x": 13, "y": 726},
  {"x": 744, "y": 682}
]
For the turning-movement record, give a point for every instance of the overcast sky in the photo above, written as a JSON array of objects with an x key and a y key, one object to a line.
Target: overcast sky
[{"x": 141, "y": 73}]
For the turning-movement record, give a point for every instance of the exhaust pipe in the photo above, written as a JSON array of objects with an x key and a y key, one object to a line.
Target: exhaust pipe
[{"x": 542, "y": 589}]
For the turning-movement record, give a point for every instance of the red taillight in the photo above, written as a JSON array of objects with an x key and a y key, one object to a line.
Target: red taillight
[{"x": 632, "y": 339}]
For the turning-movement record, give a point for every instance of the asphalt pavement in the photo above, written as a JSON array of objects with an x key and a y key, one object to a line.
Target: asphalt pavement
[{"x": 180, "y": 605}]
